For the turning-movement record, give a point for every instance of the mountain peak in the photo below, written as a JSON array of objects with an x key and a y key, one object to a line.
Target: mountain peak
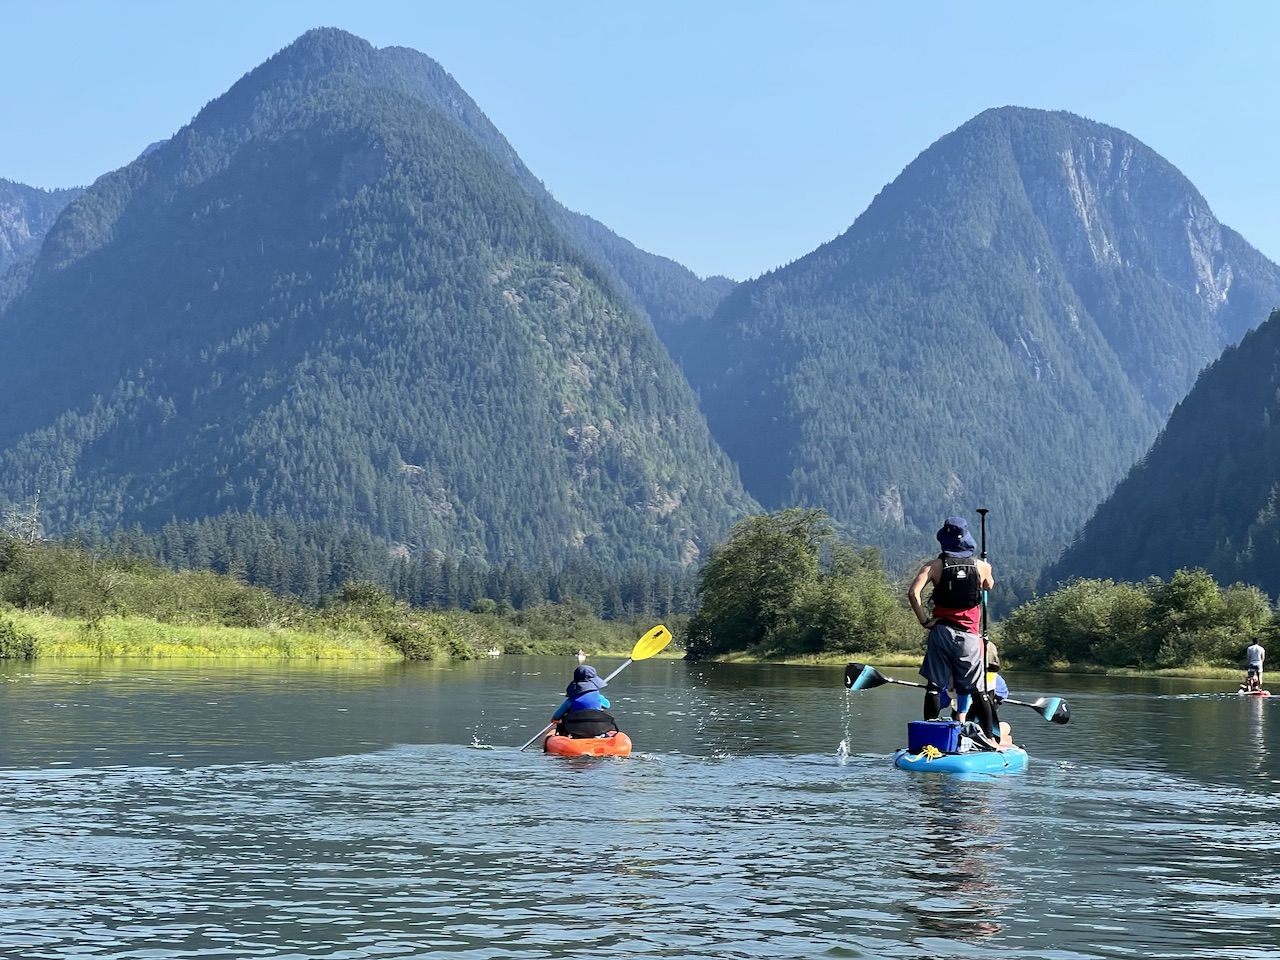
[
  {"x": 333, "y": 272},
  {"x": 1028, "y": 299},
  {"x": 324, "y": 49}
]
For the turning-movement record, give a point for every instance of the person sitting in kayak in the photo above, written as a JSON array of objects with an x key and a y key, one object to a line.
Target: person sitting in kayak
[
  {"x": 584, "y": 711},
  {"x": 954, "y": 651},
  {"x": 1252, "y": 684}
]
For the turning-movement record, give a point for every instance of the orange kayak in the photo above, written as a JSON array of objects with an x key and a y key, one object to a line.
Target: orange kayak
[{"x": 615, "y": 745}]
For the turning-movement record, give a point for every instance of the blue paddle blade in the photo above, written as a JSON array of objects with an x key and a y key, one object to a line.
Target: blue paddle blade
[
  {"x": 1055, "y": 710},
  {"x": 867, "y": 677}
]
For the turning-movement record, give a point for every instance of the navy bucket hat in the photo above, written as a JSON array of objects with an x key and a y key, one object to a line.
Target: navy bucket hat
[
  {"x": 955, "y": 538},
  {"x": 585, "y": 679}
]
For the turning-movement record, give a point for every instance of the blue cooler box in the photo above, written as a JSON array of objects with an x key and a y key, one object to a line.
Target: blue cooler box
[{"x": 942, "y": 734}]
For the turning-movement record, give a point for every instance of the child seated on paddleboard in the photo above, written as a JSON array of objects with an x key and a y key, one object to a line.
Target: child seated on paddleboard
[{"x": 996, "y": 684}]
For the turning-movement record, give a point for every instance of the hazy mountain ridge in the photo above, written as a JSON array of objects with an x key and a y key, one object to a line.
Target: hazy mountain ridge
[{"x": 981, "y": 335}]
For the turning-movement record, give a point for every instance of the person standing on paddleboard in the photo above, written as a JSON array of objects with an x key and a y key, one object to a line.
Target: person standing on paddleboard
[{"x": 954, "y": 652}]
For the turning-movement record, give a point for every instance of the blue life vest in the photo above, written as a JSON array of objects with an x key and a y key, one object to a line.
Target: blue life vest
[{"x": 591, "y": 700}]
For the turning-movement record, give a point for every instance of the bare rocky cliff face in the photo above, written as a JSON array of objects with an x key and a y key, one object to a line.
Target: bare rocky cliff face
[{"x": 26, "y": 214}]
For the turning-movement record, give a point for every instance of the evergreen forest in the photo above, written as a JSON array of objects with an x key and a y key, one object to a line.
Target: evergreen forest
[
  {"x": 323, "y": 302},
  {"x": 1207, "y": 489}
]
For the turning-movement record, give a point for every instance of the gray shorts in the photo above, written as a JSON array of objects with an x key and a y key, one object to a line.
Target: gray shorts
[{"x": 954, "y": 655}]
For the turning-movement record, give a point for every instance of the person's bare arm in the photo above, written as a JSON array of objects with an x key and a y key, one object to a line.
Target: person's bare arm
[
  {"x": 925, "y": 575},
  {"x": 984, "y": 569}
]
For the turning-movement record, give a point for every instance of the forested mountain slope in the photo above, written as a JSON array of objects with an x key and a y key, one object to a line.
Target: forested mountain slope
[
  {"x": 1008, "y": 324},
  {"x": 1207, "y": 494},
  {"x": 669, "y": 293},
  {"x": 325, "y": 300}
]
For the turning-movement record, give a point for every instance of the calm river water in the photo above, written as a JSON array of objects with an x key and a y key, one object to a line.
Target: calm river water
[{"x": 285, "y": 811}]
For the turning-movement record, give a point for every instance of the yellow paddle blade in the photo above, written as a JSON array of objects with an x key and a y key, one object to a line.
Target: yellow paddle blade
[{"x": 655, "y": 641}]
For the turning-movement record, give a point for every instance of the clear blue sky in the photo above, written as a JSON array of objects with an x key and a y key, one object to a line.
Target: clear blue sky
[{"x": 731, "y": 135}]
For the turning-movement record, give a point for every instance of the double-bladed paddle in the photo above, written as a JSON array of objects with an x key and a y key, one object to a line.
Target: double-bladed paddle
[
  {"x": 862, "y": 676},
  {"x": 653, "y": 642}
]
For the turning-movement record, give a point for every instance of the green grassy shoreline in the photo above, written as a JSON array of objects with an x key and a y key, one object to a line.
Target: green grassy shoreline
[
  {"x": 121, "y": 637},
  {"x": 112, "y": 637}
]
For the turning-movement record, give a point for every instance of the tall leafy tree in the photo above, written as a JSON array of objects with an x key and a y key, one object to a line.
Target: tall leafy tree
[{"x": 783, "y": 584}]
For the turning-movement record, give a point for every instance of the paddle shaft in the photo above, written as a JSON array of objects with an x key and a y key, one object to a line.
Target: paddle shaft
[
  {"x": 541, "y": 733},
  {"x": 982, "y": 513},
  {"x": 624, "y": 666},
  {"x": 1019, "y": 703},
  {"x": 909, "y": 683},
  {"x": 1053, "y": 709},
  {"x": 905, "y": 683}
]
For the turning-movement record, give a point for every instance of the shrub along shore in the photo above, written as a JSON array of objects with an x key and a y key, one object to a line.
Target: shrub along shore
[{"x": 785, "y": 587}]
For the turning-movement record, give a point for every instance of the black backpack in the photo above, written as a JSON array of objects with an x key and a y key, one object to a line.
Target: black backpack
[{"x": 960, "y": 587}]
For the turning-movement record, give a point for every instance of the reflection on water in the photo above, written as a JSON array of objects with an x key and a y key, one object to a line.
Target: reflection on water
[
  {"x": 338, "y": 812},
  {"x": 960, "y": 856},
  {"x": 1257, "y": 734}
]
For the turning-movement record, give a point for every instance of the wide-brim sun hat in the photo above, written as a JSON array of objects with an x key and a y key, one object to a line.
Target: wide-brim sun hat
[
  {"x": 955, "y": 539},
  {"x": 585, "y": 679}
]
